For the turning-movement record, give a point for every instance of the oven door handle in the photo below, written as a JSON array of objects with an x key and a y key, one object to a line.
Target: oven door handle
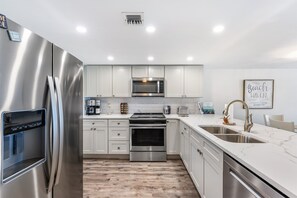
[{"x": 146, "y": 126}]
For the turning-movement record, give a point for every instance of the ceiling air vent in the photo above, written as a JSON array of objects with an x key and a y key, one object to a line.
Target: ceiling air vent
[{"x": 133, "y": 18}]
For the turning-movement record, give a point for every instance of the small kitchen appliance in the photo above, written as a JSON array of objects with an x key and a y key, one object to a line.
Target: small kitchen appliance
[
  {"x": 183, "y": 111},
  {"x": 93, "y": 106},
  {"x": 148, "y": 87},
  {"x": 166, "y": 109}
]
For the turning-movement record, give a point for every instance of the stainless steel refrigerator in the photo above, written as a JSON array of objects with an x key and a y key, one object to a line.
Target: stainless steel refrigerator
[{"x": 41, "y": 94}]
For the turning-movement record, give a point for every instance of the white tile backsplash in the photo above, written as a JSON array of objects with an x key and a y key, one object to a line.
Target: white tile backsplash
[{"x": 148, "y": 104}]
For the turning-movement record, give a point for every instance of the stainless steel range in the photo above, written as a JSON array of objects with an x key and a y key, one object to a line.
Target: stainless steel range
[{"x": 148, "y": 137}]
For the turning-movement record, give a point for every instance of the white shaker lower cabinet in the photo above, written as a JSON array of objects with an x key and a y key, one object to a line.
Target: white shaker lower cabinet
[
  {"x": 197, "y": 162},
  {"x": 88, "y": 141},
  {"x": 172, "y": 137},
  {"x": 95, "y": 137},
  {"x": 100, "y": 141},
  {"x": 185, "y": 144},
  {"x": 118, "y": 136},
  {"x": 204, "y": 163}
]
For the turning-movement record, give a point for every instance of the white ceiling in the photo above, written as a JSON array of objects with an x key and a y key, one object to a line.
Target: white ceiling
[{"x": 258, "y": 33}]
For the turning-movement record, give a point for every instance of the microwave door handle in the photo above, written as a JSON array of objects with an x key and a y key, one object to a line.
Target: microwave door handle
[
  {"x": 61, "y": 129},
  {"x": 54, "y": 135},
  {"x": 158, "y": 86}
]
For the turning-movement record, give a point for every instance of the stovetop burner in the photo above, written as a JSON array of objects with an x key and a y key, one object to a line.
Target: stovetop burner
[{"x": 148, "y": 115}]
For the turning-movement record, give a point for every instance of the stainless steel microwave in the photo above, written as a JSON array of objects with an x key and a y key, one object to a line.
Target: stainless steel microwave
[{"x": 148, "y": 87}]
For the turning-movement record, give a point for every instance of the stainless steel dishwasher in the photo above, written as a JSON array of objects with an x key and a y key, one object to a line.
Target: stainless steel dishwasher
[{"x": 241, "y": 182}]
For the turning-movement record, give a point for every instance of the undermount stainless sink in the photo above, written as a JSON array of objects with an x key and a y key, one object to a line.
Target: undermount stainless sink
[
  {"x": 239, "y": 138},
  {"x": 218, "y": 130},
  {"x": 229, "y": 135}
]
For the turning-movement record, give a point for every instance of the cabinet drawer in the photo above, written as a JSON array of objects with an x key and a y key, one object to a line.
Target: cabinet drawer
[
  {"x": 119, "y": 133},
  {"x": 213, "y": 154},
  {"x": 118, "y": 147},
  {"x": 95, "y": 123},
  {"x": 196, "y": 138},
  {"x": 118, "y": 123}
]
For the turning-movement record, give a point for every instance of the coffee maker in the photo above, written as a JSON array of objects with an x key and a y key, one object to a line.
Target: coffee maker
[{"x": 93, "y": 106}]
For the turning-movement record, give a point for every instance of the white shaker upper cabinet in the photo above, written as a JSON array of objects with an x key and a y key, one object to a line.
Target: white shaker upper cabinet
[
  {"x": 140, "y": 71},
  {"x": 121, "y": 81},
  {"x": 91, "y": 81},
  {"x": 104, "y": 81},
  {"x": 148, "y": 71},
  {"x": 174, "y": 81},
  {"x": 193, "y": 81},
  {"x": 156, "y": 71}
]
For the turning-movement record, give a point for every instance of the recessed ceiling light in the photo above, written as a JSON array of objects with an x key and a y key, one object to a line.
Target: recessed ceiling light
[
  {"x": 81, "y": 29},
  {"x": 190, "y": 58},
  {"x": 110, "y": 58},
  {"x": 150, "y": 29},
  {"x": 150, "y": 58},
  {"x": 218, "y": 29}
]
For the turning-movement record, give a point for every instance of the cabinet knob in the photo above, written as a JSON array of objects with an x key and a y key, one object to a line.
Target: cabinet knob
[
  {"x": 94, "y": 129},
  {"x": 93, "y": 123},
  {"x": 119, "y": 123},
  {"x": 185, "y": 129},
  {"x": 119, "y": 134},
  {"x": 119, "y": 148},
  {"x": 182, "y": 132}
]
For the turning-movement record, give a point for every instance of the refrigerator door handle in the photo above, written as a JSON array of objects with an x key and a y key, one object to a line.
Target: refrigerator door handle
[
  {"x": 55, "y": 136},
  {"x": 61, "y": 129}
]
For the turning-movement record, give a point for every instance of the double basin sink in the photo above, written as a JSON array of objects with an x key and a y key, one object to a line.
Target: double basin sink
[{"x": 230, "y": 135}]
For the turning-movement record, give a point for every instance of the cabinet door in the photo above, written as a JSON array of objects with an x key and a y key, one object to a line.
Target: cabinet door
[
  {"x": 88, "y": 142},
  {"x": 173, "y": 135},
  {"x": 193, "y": 81},
  {"x": 104, "y": 81},
  {"x": 212, "y": 177},
  {"x": 100, "y": 141},
  {"x": 174, "y": 81},
  {"x": 121, "y": 77},
  {"x": 156, "y": 71},
  {"x": 140, "y": 71},
  {"x": 91, "y": 81},
  {"x": 197, "y": 166},
  {"x": 187, "y": 151},
  {"x": 182, "y": 144}
]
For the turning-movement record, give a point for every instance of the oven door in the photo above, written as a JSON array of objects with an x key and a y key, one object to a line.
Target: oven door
[{"x": 147, "y": 138}]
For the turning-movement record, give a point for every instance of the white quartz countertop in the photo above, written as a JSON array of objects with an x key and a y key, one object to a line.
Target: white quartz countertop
[
  {"x": 274, "y": 161},
  {"x": 107, "y": 116}
]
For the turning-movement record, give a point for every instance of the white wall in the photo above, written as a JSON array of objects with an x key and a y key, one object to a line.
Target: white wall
[{"x": 223, "y": 85}]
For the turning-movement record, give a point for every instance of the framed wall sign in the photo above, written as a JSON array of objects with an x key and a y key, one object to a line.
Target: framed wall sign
[{"x": 258, "y": 93}]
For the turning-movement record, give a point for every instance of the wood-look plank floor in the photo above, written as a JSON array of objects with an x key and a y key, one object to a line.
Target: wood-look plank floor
[{"x": 121, "y": 178}]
